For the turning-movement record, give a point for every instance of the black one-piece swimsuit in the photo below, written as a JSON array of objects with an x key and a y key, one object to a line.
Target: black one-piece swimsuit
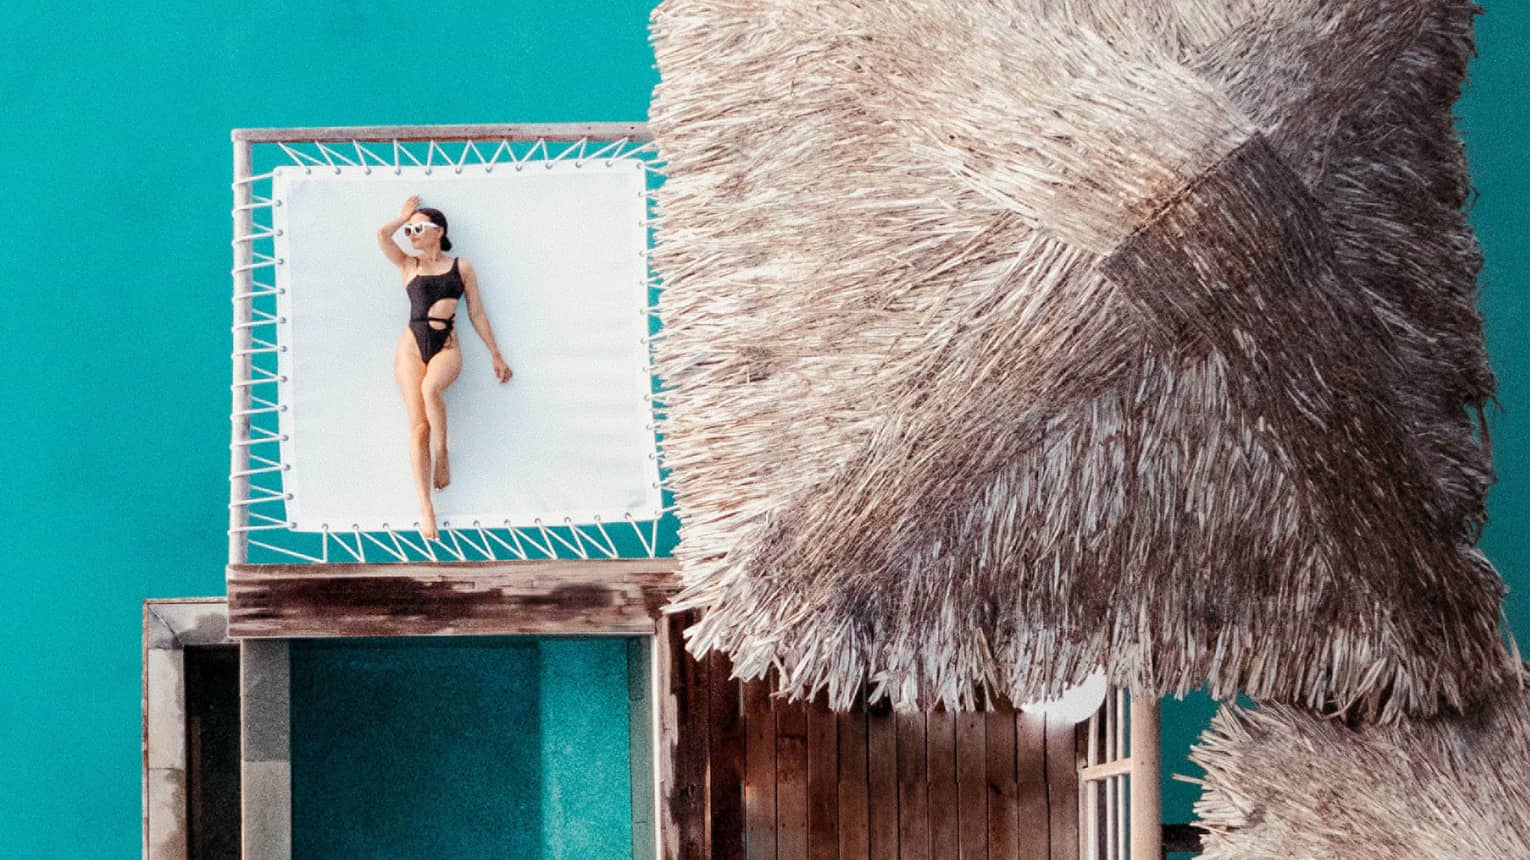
[{"x": 424, "y": 291}]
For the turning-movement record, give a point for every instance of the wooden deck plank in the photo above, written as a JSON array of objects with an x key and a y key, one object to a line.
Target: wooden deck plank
[
  {"x": 1062, "y": 787},
  {"x": 1003, "y": 823},
  {"x": 913, "y": 789},
  {"x": 822, "y": 782},
  {"x": 759, "y": 771},
  {"x": 882, "y": 781},
  {"x": 725, "y": 736},
  {"x": 941, "y": 767},
  {"x": 1031, "y": 787},
  {"x": 461, "y": 598},
  {"x": 682, "y": 745},
  {"x": 854, "y": 829},
  {"x": 791, "y": 781},
  {"x": 971, "y": 786}
]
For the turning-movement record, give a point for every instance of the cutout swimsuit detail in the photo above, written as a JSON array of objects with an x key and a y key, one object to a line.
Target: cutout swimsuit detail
[{"x": 424, "y": 291}]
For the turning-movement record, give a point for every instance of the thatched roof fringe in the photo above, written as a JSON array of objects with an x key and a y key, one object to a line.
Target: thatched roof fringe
[{"x": 1005, "y": 341}]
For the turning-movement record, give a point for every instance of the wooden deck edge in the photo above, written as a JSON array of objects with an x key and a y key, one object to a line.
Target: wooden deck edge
[{"x": 555, "y": 596}]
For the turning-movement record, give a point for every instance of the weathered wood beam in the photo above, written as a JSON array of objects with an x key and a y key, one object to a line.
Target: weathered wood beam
[
  {"x": 611, "y": 596},
  {"x": 559, "y": 131}
]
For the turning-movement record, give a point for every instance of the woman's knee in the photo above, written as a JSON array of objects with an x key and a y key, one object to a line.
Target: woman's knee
[{"x": 419, "y": 432}]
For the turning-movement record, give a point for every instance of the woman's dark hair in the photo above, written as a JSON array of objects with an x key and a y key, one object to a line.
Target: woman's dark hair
[{"x": 438, "y": 219}]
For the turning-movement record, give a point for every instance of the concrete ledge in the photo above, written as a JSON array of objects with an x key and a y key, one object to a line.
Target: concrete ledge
[{"x": 169, "y": 627}]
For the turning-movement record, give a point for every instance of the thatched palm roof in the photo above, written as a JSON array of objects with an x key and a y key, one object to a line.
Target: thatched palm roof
[
  {"x": 1004, "y": 344},
  {"x": 1282, "y": 783}
]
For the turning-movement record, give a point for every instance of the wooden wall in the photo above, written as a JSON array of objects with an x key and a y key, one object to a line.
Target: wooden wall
[{"x": 759, "y": 778}]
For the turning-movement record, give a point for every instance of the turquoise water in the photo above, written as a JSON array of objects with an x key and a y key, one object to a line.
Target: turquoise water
[
  {"x": 461, "y": 748},
  {"x": 115, "y": 163}
]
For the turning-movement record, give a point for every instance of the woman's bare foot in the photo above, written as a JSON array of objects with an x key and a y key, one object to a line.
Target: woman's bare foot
[
  {"x": 443, "y": 470},
  {"x": 428, "y": 523}
]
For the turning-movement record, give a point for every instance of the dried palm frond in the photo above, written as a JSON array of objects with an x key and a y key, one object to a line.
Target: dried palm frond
[
  {"x": 1282, "y": 783},
  {"x": 1010, "y": 339}
]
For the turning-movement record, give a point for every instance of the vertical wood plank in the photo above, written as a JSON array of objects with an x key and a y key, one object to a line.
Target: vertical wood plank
[
  {"x": 1062, "y": 787},
  {"x": 682, "y": 749},
  {"x": 913, "y": 789},
  {"x": 971, "y": 786},
  {"x": 1004, "y": 831},
  {"x": 823, "y": 782},
  {"x": 725, "y": 756},
  {"x": 854, "y": 830},
  {"x": 688, "y": 681},
  {"x": 791, "y": 780},
  {"x": 759, "y": 771},
  {"x": 940, "y": 763},
  {"x": 1033, "y": 819},
  {"x": 882, "y": 781}
]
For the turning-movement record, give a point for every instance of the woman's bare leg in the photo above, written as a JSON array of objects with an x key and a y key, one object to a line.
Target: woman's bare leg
[
  {"x": 409, "y": 371},
  {"x": 439, "y": 375}
]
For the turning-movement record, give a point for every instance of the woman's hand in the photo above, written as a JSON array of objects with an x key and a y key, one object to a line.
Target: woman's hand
[
  {"x": 501, "y": 370},
  {"x": 410, "y": 205}
]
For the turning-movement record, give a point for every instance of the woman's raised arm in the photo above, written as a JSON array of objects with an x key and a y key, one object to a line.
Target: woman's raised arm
[
  {"x": 390, "y": 248},
  {"x": 480, "y": 319}
]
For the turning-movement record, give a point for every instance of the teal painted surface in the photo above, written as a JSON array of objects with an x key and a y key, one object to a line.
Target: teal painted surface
[
  {"x": 417, "y": 748},
  {"x": 114, "y": 160},
  {"x": 511, "y": 748},
  {"x": 115, "y": 153},
  {"x": 586, "y": 798}
]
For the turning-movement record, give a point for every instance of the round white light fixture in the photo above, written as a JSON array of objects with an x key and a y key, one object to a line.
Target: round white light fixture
[{"x": 1076, "y": 704}]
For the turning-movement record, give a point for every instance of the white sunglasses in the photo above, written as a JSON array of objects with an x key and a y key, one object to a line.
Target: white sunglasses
[{"x": 419, "y": 227}]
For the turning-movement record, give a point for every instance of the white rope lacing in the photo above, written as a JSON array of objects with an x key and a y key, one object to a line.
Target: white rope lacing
[
  {"x": 578, "y": 549},
  {"x": 458, "y": 534},
  {"x": 259, "y": 470},
  {"x": 521, "y": 163},
  {"x": 517, "y": 551},
  {"x": 264, "y": 290},
  {"x": 395, "y": 551},
  {"x": 616, "y": 145},
  {"x": 285, "y": 551},
  {"x": 610, "y": 548},
  {"x": 399, "y": 540},
  {"x": 647, "y": 545},
  {"x": 329, "y": 535},
  {"x": 250, "y": 180},
  {"x": 456, "y": 548},
  {"x": 263, "y": 232},
  {"x": 467, "y": 147},
  {"x": 302, "y": 159},
  {"x": 255, "y": 203},
  {"x": 547, "y": 550},
  {"x": 260, "y": 318},
  {"x": 331, "y": 155},
  {"x": 258, "y": 261}
]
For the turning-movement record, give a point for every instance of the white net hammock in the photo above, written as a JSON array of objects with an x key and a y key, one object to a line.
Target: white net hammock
[{"x": 561, "y": 462}]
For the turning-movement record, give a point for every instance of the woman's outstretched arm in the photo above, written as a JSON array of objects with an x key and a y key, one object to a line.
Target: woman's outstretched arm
[
  {"x": 390, "y": 248},
  {"x": 480, "y": 318}
]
